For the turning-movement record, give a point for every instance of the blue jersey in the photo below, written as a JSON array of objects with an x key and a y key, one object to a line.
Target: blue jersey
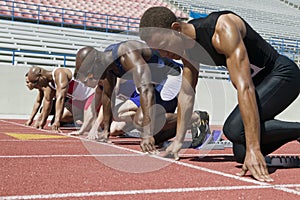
[{"x": 159, "y": 67}]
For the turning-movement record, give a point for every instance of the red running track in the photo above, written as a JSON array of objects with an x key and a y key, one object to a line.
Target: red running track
[{"x": 38, "y": 164}]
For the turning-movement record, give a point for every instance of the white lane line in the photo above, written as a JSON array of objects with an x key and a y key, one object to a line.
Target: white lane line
[
  {"x": 43, "y": 140},
  {"x": 106, "y": 155},
  {"x": 149, "y": 191},
  {"x": 71, "y": 156},
  {"x": 244, "y": 179},
  {"x": 220, "y": 155}
]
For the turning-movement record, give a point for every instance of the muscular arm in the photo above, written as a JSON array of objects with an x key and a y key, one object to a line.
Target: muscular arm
[
  {"x": 90, "y": 115},
  {"x": 186, "y": 99},
  {"x": 47, "y": 105},
  {"x": 135, "y": 62},
  {"x": 228, "y": 41},
  {"x": 37, "y": 104},
  {"x": 62, "y": 79},
  {"x": 108, "y": 86}
]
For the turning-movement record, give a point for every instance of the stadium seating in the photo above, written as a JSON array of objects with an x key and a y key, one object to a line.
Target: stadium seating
[
  {"x": 28, "y": 44},
  {"x": 293, "y": 3},
  {"x": 273, "y": 18},
  {"x": 276, "y": 21},
  {"x": 125, "y": 13},
  {"x": 281, "y": 30}
]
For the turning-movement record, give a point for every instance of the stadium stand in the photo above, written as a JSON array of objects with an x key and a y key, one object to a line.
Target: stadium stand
[
  {"x": 281, "y": 30},
  {"x": 27, "y": 43},
  {"x": 109, "y": 14},
  {"x": 49, "y": 32},
  {"x": 277, "y": 22},
  {"x": 270, "y": 19},
  {"x": 293, "y": 3}
]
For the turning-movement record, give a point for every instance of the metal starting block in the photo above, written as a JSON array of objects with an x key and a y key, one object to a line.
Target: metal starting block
[
  {"x": 214, "y": 141},
  {"x": 218, "y": 145},
  {"x": 283, "y": 161}
]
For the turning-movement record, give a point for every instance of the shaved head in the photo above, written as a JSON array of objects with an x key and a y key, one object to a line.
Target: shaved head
[
  {"x": 28, "y": 84},
  {"x": 33, "y": 73},
  {"x": 81, "y": 56}
]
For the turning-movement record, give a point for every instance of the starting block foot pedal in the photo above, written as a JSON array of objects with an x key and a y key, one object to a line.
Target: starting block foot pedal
[
  {"x": 132, "y": 134},
  {"x": 211, "y": 146},
  {"x": 226, "y": 143},
  {"x": 283, "y": 161},
  {"x": 214, "y": 142}
]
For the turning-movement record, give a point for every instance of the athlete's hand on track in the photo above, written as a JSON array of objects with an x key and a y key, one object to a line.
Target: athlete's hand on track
[
  {"x": 148, "y": 145},
  {"x": 256, "y": 164},
  {"x": 29, "y": 122},
  {"x": 103, "y": 136},
  {"x": 75, "y": 133},
  {"x": 55, "y": 127},
  {"x": 173, "y": 150},
  {"x": 93, "y": 135},
  {"x": 38, "y": 124}
]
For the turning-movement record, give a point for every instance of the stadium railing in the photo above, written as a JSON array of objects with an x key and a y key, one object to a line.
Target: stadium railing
[
  {"x": 29, "y": 43},
  {"x": 39, "y": 13},
  {"x": 24, "y": 57}
]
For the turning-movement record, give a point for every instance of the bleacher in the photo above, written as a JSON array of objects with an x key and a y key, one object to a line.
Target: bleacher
[
  {"x": 44, "y": 44},
  {"x": 108, "y": 14},
  {"x": 52, "y": 33},
  {"x": 27, "y": 43},
  {"x": 275, "y": 20},
  {"x": 293, "y": 3},
  {"x": 269, "y": 18}
]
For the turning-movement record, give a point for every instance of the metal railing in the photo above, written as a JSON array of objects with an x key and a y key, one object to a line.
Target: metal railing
[
  {"x": 67, "y": 17},
  {"x": 26, "y": 57}
]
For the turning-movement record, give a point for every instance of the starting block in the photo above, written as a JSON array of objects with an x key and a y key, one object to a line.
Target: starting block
[
  {"x": 214, "y": 141},
  {"x": 132, "y": 134},
  {"x": 283, "y": 161}
]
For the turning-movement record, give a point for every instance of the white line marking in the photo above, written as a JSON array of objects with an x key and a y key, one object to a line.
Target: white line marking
[
  {"x": 149, "y": 191},
  {"x": 261, "y": 184},
  {"x": 104, "y": 155},
  {"x": 43, "y": 140},
  {"x": 220, "y": 155},
  {"x": 71, "y": 156}
]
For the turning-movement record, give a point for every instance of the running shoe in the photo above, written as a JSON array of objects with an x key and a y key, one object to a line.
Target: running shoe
[{"x": 200, "y": 129}]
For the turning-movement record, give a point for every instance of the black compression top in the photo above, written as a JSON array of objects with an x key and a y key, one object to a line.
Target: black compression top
[{"x": 260, "y": 52}]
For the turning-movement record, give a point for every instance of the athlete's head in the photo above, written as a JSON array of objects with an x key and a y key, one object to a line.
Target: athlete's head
[
  {"x": 36, "y": 77},
  {"x": 160, "y": 29},
  {"x": 160, "y": 17},
  {"x": 89, "y": 65},
  {"x": 80, "y": 58},
  {"x": 28, "y": 83}
]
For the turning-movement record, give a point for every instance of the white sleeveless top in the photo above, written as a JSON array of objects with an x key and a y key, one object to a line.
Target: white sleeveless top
[{"x": 76, "y": 89}]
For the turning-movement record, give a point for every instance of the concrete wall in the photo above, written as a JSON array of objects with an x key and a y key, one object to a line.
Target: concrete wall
[
  {"x": 15, "y": 97},
  {"x": 218, "y": 97}
]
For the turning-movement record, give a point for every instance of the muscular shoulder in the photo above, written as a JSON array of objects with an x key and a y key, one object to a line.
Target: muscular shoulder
[
  {"x": 134, "y": 46},
  {"x": 63, "y": 73},
  {"x": 229, "y": 31},
  {"x": 48, "y": 92}
]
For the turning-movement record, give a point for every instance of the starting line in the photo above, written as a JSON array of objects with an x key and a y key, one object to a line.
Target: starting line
[
  {"x": 154, "y": 191},
  {"x": 259, "y": 185}
]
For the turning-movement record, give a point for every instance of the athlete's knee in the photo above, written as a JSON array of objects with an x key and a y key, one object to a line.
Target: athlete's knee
[
  {"x": 228, "y": 131},
  {"x": 239, "y": 152},
  {"x": 233, "y": 132},
  {"x": 138, "y": 121},
  {"x": 239, "y": 158}
]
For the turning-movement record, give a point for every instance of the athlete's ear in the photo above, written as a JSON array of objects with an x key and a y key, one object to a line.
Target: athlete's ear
[{"x": 176, "y": 26}]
